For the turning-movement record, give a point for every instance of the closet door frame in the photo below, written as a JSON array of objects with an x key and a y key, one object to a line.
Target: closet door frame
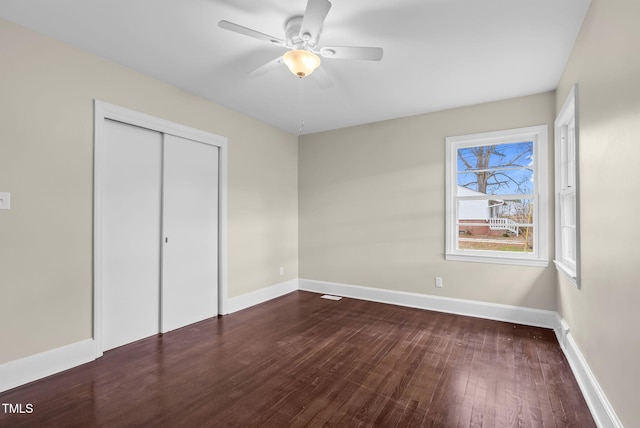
[{"x": 103, "y": 111}]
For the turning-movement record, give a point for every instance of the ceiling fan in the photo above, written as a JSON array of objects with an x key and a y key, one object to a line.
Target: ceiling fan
[{"x": 302, "y": 34}]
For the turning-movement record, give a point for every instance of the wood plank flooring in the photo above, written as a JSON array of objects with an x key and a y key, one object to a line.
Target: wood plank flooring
[{"x": 303, "y": 361}]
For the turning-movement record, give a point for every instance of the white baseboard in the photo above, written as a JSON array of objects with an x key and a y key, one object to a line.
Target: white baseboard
[
  {"x": 34, "y": 367},
  {"x": 493, "y": 311},
  {"x": 235, "y": 304},
  {"x": 601, "y": 409}
]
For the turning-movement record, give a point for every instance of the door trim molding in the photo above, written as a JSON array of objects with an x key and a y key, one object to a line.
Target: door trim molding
[{"x": 104, "y": 110}]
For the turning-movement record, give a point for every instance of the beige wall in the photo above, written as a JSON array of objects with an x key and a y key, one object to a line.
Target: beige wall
[
  {"x": 46, "y": 157},
  {"x": 603, "y": 314},
  {"x": 372, "y": 206}
]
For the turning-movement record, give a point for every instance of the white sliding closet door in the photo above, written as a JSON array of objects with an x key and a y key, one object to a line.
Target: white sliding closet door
[
  {"x": 158, "y": 256},
  {"x": 190, "y": 228},
  {"x": 130, "y": 212}
]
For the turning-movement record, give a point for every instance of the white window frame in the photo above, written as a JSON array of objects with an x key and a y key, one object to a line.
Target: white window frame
[
  {"x": 540, "y": 255},
  {"x": 567, "y": 227}
]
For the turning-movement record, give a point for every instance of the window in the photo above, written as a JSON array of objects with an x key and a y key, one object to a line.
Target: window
[
  {"x": 497, "y": 197},
  {"x": 566, "y": 189}
]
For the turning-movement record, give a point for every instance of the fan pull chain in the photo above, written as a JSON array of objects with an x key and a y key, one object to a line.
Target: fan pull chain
[{"x": 300, "y": 108}]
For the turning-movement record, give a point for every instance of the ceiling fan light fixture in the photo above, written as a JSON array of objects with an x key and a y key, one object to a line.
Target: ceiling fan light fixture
[{"x": 301, "y": 62}]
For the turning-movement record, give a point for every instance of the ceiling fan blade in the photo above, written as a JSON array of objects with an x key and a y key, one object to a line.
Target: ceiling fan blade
[
  {"x": 313, "y": 20},
  {"x": 352, "y": 52},
  {"x": 251, "y": 33},
  {"x": 322, "y": 78},
  {"x": 265, "y": 68}
]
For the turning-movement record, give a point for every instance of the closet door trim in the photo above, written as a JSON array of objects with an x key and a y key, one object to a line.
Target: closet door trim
[{"x": 104, "y": 110}]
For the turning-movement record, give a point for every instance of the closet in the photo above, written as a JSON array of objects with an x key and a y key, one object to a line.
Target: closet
[{"x": 158, "y": 203}]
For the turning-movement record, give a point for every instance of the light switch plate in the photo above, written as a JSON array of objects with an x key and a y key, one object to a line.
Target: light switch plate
[{"x": 5, "y": 200}]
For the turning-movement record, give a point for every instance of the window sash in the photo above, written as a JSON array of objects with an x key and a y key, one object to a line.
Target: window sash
[
  {"x": 486, "y": 223},
  {"x": 568, "y": 155}
]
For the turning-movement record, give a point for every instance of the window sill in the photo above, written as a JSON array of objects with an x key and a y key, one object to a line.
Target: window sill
[
  {"x": 568, "y": 273},
  {"x": 497, "y": 260}
]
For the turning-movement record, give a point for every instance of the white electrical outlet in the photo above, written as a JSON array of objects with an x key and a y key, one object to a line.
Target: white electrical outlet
[
  {"x": 281, "y": 270},
  {"x": 5, "y": 200},
  {"x": 438, "y": 282}
]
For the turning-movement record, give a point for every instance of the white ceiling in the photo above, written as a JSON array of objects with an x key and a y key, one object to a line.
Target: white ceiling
[{"x": 438, "y": 54}]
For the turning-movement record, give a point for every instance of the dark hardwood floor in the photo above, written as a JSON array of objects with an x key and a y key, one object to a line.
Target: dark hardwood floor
[{"x": 300, "y": 360}]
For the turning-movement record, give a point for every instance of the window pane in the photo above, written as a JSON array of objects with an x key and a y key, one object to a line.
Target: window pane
[
  {"x": 571, "y": 154},
  {"x": 496, "y": 225},
  {"x": 569, "y": 244},
  {"x": 500, "y": 169},
  {"x": 568, "y": 209}
]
